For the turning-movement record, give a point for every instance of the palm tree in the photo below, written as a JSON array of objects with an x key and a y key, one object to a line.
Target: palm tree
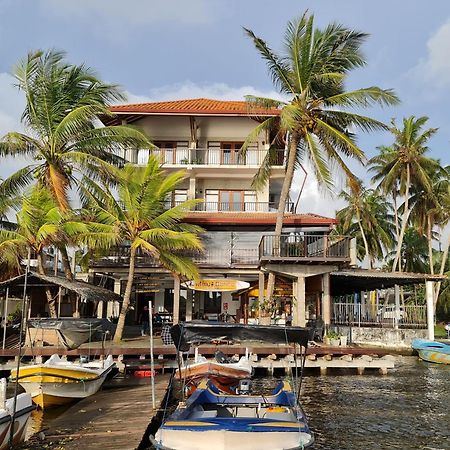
[
  {"x": 405, "y": 165},
  {"x": 367, "y": 217},
  {"x": 63, "y": 103},
  {"x": 311, "y": 74},
  {"x": 141, "y": 220},
  {"x": 40, "y": 224}
]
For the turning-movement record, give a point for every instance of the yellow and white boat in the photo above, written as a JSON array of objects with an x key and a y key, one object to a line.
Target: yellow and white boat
[{"x": 57, "y": 381}]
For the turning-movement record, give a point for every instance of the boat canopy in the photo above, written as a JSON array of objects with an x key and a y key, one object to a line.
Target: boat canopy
[{"x": 195, "y": 333}]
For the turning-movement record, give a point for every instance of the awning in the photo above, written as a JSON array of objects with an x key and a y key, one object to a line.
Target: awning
[
  {"x": 357, "y": 280},
  {"x": 88, "y": 291}
]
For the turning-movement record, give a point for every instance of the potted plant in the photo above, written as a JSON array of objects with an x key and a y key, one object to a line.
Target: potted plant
[
  {"x": 266, "y": 309},
  {"x": 334, "y": 338},
  {"x": 343, "y": 339}
]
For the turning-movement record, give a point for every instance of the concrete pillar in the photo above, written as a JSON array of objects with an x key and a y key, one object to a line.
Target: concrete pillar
[
  {"x": 261, "y": 287},
  {"x": 113, "y": 308},
  {"x": 397, "y": 305},
  {"x": 189, "y": 299},
  {"x": 176, "y": 300},
  {"x": 298, "y": 313},
  {"x": 429, "y": 291},
  {"x": 100, "y": 310},
  {"x": 192, "y": 186},
  {"x": 326, "y": 299}
]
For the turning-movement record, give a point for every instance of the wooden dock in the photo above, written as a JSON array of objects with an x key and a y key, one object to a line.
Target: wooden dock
[{"x": 111, "y": 419}]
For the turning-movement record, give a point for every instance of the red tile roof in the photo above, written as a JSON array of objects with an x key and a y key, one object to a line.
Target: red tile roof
[
  {"x": 249, "y": 218},
  {"x": 199, "y": 106}
]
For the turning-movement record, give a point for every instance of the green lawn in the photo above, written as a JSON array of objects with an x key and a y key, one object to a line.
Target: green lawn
[{"x": 439, "y": 331}]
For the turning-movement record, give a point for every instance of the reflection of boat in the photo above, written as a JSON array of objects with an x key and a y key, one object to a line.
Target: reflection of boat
[
  {"x": 24, "y": 406},
  {"x": 213, "y": 418},
  {"x": 432, "y": 351},
  {"x": 73, "y": 331},
  {"x": 57, "y": 381},
  {"x": 222, "y": 370}
]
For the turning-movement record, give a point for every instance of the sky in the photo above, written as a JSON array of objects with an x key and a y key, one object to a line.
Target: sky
[{"x": 176, "y": 49}]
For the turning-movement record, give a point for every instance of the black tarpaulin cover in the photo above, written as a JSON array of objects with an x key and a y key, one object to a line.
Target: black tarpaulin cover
[{"x": 187, "y": 333}]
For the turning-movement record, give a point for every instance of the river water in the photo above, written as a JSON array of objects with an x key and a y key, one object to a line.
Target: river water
[{"x": 407, "y": 409}]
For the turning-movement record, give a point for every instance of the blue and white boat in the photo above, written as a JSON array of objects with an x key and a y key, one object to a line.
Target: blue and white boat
[
  {"x": 212, "y": 420},
  {"x": 242, "y": 420},
  {"x": 432, "y": 351}
]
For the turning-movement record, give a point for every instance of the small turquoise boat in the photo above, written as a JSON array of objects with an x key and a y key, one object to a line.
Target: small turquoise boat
[{"x": 432, "y": 351}]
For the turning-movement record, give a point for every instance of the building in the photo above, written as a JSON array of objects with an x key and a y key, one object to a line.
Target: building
[{"x": 204, "y": 137}]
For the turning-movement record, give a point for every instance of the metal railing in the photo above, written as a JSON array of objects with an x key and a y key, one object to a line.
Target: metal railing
[
  {"x": 304, "y": 246},
  {"x": 212, "y": 156},
  {"x": 234, "y": 206},
  {"x": 387, "y": 316}
]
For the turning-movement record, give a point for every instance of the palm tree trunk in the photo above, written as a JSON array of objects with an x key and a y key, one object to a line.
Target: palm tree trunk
[
  {"x": 126, "y": 298},
  {"x": 364, "y": 238},
  {"x": 404, "y": 222},
  {"x": 441, "y": 271},
  {"x": 290, "y": 168},
  {"x": 66, "y": 262},
  {"x": 397, "y": 227},
  {"x": 48, "y": 292},
  {"x": 430, "y": 244}
]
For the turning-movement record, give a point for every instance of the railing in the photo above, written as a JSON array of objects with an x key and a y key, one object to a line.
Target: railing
[
  {"x": 304, "y": 246},
  {"x": 234, "y": 206},
  {"x": 212, "y": 156},
  {"x": 387, "y": 316},
  {"x": 227, "y": 257}
]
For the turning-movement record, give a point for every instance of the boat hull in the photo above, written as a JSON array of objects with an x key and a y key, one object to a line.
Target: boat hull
[
  {"x": 55, "y": 385},
  {"x": 226, "y": 440},
  {"x": 24, "y": 407},
  {"x": 432, "y": 351}
]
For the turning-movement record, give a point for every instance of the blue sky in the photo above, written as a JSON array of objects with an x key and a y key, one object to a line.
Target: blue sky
[{"x": 197, "y": 48}]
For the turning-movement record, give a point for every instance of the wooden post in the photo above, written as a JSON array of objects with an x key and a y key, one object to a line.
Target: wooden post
[
  {"x": 429, "y": 287},
  {"x": 189, "y": 298},
  {"x": 261, "y": 281},
  {"x": 397, "y": 305},
  {"x": 299, "y": 318},
  {"x": 176, "y": 300},
  {"x": 326, "y": 299},
  {"x": 6, "y": 318}
]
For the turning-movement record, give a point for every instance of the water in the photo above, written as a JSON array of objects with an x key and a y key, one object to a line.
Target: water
[{"x": 407, "y": 409}]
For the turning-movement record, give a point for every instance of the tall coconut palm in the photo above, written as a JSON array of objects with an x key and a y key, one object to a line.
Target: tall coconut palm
[
  {"x": 140, "y": 218},
  {"x": 406, "y": 164},
  {"x": 367, "y": 217},
  {"x": 62, "y": 138},
  {"x": 311, "y": 74},
  {"x": 40, "y": 224}
]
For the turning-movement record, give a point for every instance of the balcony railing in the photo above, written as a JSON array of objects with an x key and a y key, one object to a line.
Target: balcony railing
[
  {"x": 212, "y": 157},
  {"x": 304, "y": 247},
  {"x": 386, "y": 316},
  {"x": 235, "y": 206}
]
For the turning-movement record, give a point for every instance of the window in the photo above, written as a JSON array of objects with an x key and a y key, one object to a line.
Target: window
[
  {"x": 230, "y": 200},
  {"x": 178, "y": 196},
  {"x": 172, "y": 152},
  {"x": 225, "y": 153}
]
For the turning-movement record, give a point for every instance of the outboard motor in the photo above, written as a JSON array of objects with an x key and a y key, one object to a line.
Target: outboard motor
[{"x": 245, "y": 387}]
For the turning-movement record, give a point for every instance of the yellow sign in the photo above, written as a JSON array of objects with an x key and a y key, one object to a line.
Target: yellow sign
[{"x": 217, "y": 285}]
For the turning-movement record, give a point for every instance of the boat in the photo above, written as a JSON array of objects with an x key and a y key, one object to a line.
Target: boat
[
  {"x": 58, "y": 381},
  {"x": 222, "y": 370},
  {"x": 432, "y": 351},
  {"x": 73, "y": 332},
  {"x": 211, "y": 419},
  {"x": 238, "y": 420},
  {"x": 24, "y": 407}
]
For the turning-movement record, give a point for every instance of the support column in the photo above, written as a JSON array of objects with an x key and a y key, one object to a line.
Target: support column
[
  {"x": 100, "y": 310},
  {"x": 176, "y": 300},
  {"x": 261, "y": 287},
  {"x": 189, "y": 299},
  {"x": 429, "y": 290},
  {"x": 112, "y": 308},
  {"x": 326, "y": 299},
  {"x": 192, "y": 186},
  {"x": 397, "y": 305},
  {"x": 298, "y": 313}
]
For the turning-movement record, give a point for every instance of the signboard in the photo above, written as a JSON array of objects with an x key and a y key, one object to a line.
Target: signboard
[{"x": 217, "y": 285}]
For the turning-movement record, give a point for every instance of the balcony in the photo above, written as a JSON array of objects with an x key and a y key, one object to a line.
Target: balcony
[
  {"x": 263, "y": 207},
  {"x": 304, "y": 248},
  {"x": 212, "y": 157}
]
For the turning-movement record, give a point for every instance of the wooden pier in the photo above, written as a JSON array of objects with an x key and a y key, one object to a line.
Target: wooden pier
[{"x": 111, "y": 419}]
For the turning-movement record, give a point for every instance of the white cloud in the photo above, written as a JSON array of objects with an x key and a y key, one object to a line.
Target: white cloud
[
  {"x": 189, "y": 89},
  {"x": 122, "y": 15},
  {"x": 436, "y": 65}
]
